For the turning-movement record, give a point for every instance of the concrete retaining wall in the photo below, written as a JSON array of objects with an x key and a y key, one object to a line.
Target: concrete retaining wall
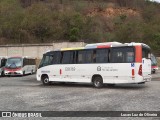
[{"x": 35, "y": 50}]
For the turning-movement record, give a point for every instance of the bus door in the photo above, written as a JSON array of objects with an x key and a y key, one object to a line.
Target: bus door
[{"x": 146, "y": 62}]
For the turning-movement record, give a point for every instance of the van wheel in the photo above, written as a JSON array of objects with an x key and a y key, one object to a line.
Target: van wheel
[
  {"x": 45, "y": 80},
  {"x": 97, "y": 82}
]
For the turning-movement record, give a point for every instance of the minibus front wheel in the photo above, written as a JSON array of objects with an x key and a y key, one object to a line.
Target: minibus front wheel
[{"x": 45, "y": 80}]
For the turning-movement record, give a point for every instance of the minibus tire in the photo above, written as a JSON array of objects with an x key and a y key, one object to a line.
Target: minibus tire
[
  {"x": 45, "y": 80},
  {"x": 98, "y": 82}
]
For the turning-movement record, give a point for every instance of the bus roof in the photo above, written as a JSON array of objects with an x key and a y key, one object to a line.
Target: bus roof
[
  {"x": 113, "y": 44},
  {"x": 76, "y": 48},
  {"x": 101, "y": 45},
  {"x": 21, "y": 57},
  {"x": 95, "y": 45}
]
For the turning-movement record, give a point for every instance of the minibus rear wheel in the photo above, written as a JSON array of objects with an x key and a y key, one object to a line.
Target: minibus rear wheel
[{"x": 97, "y": 82}]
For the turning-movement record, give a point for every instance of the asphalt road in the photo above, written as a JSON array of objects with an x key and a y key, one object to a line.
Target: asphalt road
[{"x": 27, "y": 94}]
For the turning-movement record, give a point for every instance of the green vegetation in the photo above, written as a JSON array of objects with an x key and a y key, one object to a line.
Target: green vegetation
[{"x": 43, "y": 21}]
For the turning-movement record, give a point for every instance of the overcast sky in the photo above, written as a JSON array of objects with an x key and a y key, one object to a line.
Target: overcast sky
[{"x": 156, "y": 0}]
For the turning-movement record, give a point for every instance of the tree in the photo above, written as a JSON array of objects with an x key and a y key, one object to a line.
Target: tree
[
  {"x": 26, "y": 3},
  {"x": 128, "y": 29},
  {"x": 61, "y": 1},
  {"x": 38, "y": 21},
  {"x": 11, "y": 16},
  {"x": 72, "y": 24}
]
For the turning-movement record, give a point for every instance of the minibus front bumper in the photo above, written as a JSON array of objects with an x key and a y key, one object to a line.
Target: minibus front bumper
[{"x": 7, "y": 73}]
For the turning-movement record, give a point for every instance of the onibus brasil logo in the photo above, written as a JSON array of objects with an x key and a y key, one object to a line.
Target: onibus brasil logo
[{"x": 21, "y": 114}]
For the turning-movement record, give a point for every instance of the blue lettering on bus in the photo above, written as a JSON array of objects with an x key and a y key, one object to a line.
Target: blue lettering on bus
[{"x": 132, "y": 64}]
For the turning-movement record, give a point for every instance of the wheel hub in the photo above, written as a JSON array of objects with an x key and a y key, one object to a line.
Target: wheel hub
[
  {"x": 46, "y": 80},
  {"x": 97, "y": 83}
]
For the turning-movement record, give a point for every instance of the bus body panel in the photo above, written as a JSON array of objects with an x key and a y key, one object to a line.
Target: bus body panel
[
  {"x": 111, "y": 73},
  {"x": 2, "y": 65},
  {"x": 1, "y": 70},
  {"x": 146, "y": 67},
  {"x": 29, "y": 69}
]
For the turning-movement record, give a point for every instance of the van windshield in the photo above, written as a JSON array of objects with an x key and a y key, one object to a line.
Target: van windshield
[
  {"x": 154, "y": 61},
  {"x": 13, "y": 62}
]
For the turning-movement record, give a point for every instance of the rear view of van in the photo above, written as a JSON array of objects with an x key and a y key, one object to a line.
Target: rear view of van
[{"x": 154, "y": 67}]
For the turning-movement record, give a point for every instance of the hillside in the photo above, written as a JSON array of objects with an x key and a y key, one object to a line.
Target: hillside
[
  {"x": 44, "y": 21},
  {"x": 111, "y": 12}
]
